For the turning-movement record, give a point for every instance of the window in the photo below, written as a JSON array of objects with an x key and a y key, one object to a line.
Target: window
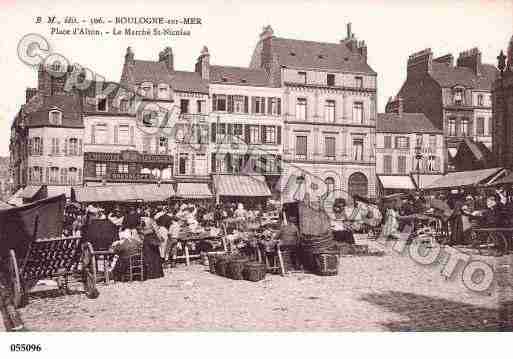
[
  {"x": 124, "y": 134},
  {"x": 100, "y": 133},
  {"x": 201, "y": 108},
  {"x": 330, "y": 185},
  {"x": 163, "y": 92},
  {"x": 101, "y": 104},
  {"x": 73, "y": 147},
  {"x": 451, "y": 126},
  {"x": 101, "y": 169},
  {"x": 301, "y": 109},
  {"x": 358, "y": 82},
  {"x": 147, "y": 90},
  {"x": 163, "y": 145},
  {"x": 270, "y": 134},
  {"x": 388, "y": 141},
  {"x": 220, "y": 103},
  {"x": 301, "y": 147},
  {"x": 221, "y": 132},
  {"x": 358, "y": 149},
  {"x": 73, "y": 176},
  {"x": 182, "y": 163},
  {"x": 330, "y": 80},
  {"x": 254, "y": 134},
  {"x": 124, "y": 105},
  {"x": 37, "y": 174},
  {"x": 259, "y": 105},
  {"x": 431, "y": 163},
  {"x": 238, "y": 104},
  {"x": 387, "y": 164},
  {"x": 55, "y": 146},
  {"x": 238, "y": 131},
  {"x": 184, "y": 106},
  {"x": 480, "y": 130},
  {"x": 329, "y": 147},
  {"x": 402, "y": 142},
  {"x": 480, "y": 100},
  {"x": 329, "y": 111},
  {"x": 432, "y": 142},
  {"x": 465, "y": 127},
  {"x": 123, "y": 168},
  {"x": 37, "y": 146},
  {"x": 274, "y": 106},
  {"x": 54, "y": 175},
  {"x": 418, "y": 140},
  {"x": 401, "y": 164},
  {"x": 358, "y": 112},
  {"x": 55, "y": 118},
  {"x": 458, "y": 96},
  {"x": 301, "y": 77}
]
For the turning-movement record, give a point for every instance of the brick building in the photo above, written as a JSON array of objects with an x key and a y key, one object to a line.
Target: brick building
[
  {"x": 456, "y": 98},
  {"x": 503, "y": 110},
  {"x": 328, "y": 110}
]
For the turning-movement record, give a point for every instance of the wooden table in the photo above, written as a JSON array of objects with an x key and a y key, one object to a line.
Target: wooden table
[{"x": 197, "y": 238}]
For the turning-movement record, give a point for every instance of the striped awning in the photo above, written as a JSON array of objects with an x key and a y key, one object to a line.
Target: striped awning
[
  {"x": 467, "y": 178},
  {"x": 193, "y": 190},
  {"x": 124, "y": 193},
  {"x": 241, "y": 186},
  {"x": 397, "y": 182}
]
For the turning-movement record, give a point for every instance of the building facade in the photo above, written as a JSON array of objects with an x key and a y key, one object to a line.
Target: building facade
[
  {"x": 328, "y": 110},
  {"x": 455, "y": 98},
  {"x": 503, "y": 110}
]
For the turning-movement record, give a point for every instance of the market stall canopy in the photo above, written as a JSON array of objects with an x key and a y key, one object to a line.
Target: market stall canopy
[
  {"x": 58, "y": 190},
  {"x": 425, "y": 180},
  {"x": 505, "y": 180},
  {"x": 5, "y": 205},
  {"x": 241, "y": 186},
  {"x": 16, "y": 199},
  {"x": 124, "y": 193},
  {"x": 467, "y": 178},
  {"x": 397, "y": 182},
  {"x": 28, "y": 194},
  {"x": 193, "y": 190}
]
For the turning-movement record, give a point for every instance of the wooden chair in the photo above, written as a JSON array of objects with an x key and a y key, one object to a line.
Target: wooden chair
[
  {"x": 135, "y": 266},
  {"x": 273, "y": 260},
  {"x": 103, "y": 264}
]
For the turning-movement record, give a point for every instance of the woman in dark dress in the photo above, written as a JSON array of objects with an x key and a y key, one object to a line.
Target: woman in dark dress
[{"x": 152, "y": 260}]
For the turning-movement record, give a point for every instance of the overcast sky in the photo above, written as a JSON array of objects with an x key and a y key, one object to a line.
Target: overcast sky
[{"x": 393, "y": 30}]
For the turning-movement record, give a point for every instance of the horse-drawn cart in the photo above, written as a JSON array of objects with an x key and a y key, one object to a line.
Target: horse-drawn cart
[{"x": 54, "y": 258}]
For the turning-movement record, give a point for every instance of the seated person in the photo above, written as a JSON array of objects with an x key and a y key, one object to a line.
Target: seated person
[{"x": 341, "y": 224}]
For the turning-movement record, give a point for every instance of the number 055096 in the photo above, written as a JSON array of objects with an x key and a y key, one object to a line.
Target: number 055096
[{"x": 26, "y": 347}]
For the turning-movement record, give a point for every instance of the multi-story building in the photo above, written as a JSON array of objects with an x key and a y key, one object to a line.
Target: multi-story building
[
  {"x": 328, "y": 110},
  {"x": 46, "y": 136},
  {"x": 503, "y": 110},
  {"x": 456, "y": 98},
  {"x": 409, "y": 150}
]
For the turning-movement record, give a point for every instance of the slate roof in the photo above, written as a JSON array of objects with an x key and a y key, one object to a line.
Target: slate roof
[
  {"x": 405, "y": 123},
  {"x": 449, "y": 76},
  {"x": 318, "y": 55},
  {"x": 36, "y": 110},
  {"x": 157, "y": 72},
  {"x": 238, "y": 75}
]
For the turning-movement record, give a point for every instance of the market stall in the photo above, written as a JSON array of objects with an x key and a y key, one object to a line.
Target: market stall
[
  {"x": 247, "y": 189},
  {"x": 123, "y": 193}
]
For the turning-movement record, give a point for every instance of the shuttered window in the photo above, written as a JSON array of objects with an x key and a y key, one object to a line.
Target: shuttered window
[
  {"x": 301, "y": 147},
  {"x": 329, "y": 146}
]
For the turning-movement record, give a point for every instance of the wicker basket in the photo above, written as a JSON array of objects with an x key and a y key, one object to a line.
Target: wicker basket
[
  {"x": 235, "y": 268},
  {"x": 212, "y": 258},
  {"x": 327, "y": 264},
  {"x": 221, "y": 262},
  {"x": 254, "y": 271}
]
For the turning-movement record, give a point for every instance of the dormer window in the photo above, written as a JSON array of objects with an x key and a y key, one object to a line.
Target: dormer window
[
  {"x": 458, "y": 96},
  {"x": 163, "y": 92},
  {"x": 302, "y": 77},
  {"x": 330, "y": 80},
  {"x": 124, "y": 105},
  {"x": 55, "y": 117},
  {"x": 480, "y": 100},
  {"x": 101, "y": 104},
  {"x": 147, "y": 89},
  {"x": 359, "y": 82}
]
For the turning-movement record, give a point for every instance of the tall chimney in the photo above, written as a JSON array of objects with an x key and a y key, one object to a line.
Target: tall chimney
[
  {"x": 166, "y": 56},
  {"x": 420, "y": 63},
  {"x": 203, "y": 64},
  {"x": 471, "y": 59},
  {"x": 129, "y": 56},
  {"x": 349, "y": 32}
]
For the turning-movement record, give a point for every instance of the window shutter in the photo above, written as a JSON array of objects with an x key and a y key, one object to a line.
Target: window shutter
[
  {"x": 92, "y": 134},
  {"x": 269, "y": 106},
  {"x": 79, "y": 176},
  {"x": 246, "y": 104},
  {"x": 437, "y": 163},
  {"x": 278, "y": 130},
  {"x": 157, "y": 144},
  {"x": 41, "y": 149},
  {"x": 246, "y": 134},
  {"x": 116, "y": 134},
  {"x": 470, "y": 132},
  {"x": 30, "y": 146},
  {"x": 253, "y": 104},
  {"x": 230, "y": 103},
  {"x": 396, "y": 144},
  {"x": 279, "y": 106},
  {"x": 229, "y": 132},
  {"x": 63, "y": 178},
  {"x": 65, "y": 147},
  {"x": 407, "y": 142},
  {"x": 213, "y": 162},
  {"x": 262, "y": 134},
  {"x": 213, "y": 132},
  {"x": 47, "y": 174},
  {"x": 458, "y": 131},
  {"x": 57, "y": 147},
  {"x": 214, "y": 103},
  {"x": 132, "y": 135}
]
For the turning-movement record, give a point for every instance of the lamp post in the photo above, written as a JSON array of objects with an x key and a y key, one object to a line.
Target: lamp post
[{"x": 418, "y": 157}]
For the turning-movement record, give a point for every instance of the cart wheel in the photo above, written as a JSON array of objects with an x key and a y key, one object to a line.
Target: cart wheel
[
  {"x": 89, "y": 272},
  {"x": 15, "y": 279}
]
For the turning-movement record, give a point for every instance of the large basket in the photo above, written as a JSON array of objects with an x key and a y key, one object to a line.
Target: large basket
[
  {"x": 235, "y": 268},
  {"x": 212, "y": 258},
  {"x": 326, "y": 264},
  {"x": 221, "y": 262},
  {"x": 254, "y": 271}
]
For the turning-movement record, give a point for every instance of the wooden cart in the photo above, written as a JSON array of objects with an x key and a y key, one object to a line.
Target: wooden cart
[{"x": 54, "y": 258}]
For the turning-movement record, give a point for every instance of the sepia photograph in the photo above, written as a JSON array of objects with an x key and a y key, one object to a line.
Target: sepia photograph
[{"x": 255, "y": 167}]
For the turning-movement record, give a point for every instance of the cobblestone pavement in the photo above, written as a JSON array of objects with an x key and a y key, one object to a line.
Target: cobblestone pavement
[{"x": 387, "y": 293}]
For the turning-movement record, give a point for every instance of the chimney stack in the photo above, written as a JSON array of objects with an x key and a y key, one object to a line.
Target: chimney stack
[
  {"x": 350, "y": 34},
  {"x": 129, "y": 56},
  {"x": 471, "y": 59},
  {"x": 266, "y": 33},
  {"x": 446, "y": 59},
  {"x": 203, "y": 64},
  {"x": 166, "y": 56},
  {"x": 420, "y": 63},
  {"x": 29, "y": 93}
]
